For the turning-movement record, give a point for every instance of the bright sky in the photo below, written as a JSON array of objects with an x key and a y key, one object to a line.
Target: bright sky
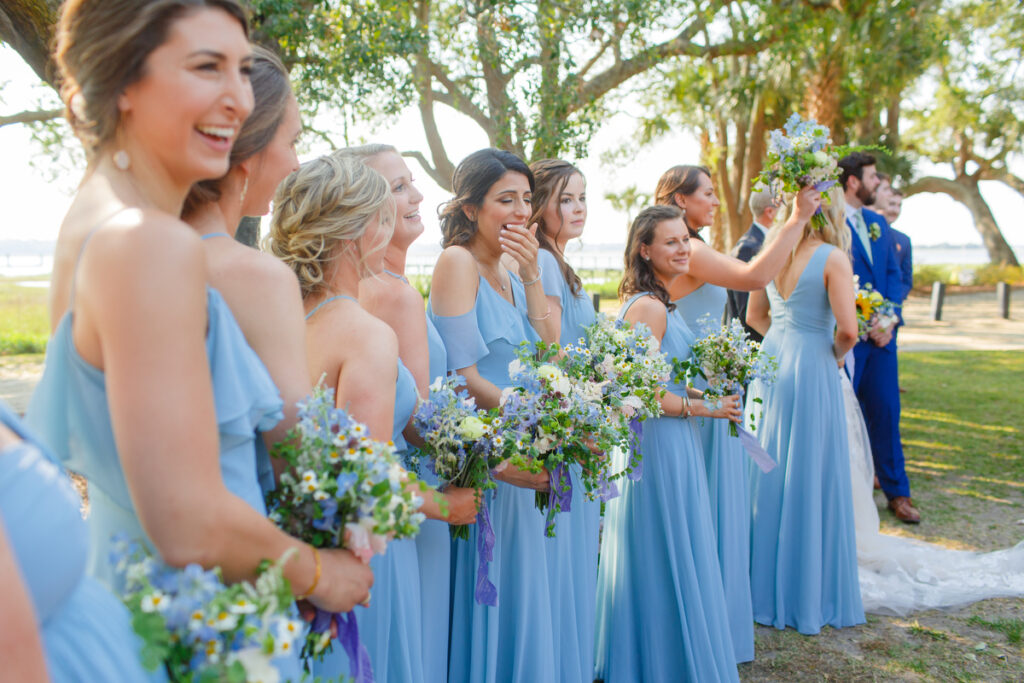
[{"x": 33, "y": 206}]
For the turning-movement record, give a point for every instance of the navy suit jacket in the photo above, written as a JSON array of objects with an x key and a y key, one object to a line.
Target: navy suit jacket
[
  {"x": 746, "y": 248},
  {"x": 905, "y": 260},
  {"x": 884, "y": 275}
]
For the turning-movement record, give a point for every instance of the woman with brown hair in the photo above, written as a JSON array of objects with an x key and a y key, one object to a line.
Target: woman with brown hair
[
  {"x": 143, "y": 381},
  {"x": 661, "y": 611},
  {"x": 483, "y": 313}
]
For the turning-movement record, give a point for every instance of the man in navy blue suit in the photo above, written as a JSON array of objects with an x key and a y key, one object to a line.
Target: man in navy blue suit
[
  {"x": 904, "y": 251},
  {"x": 875, "y": 377},
  {"x": 764, "y": 207}
]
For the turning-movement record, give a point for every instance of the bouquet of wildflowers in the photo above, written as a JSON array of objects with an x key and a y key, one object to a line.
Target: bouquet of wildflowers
[
  {"x": 459, "y": 450},
  {"x": 342, "y": 490},
  {"x": 454, "y": 432},
  {"x": 199, "y": 629},
  {"x": 548, "y": 420},
  {"x": 625, "y": 368},
  {"x": 800, "y": 155},
  {"x": 728, "y": 360},
  {"x": 873, "y": 309}
]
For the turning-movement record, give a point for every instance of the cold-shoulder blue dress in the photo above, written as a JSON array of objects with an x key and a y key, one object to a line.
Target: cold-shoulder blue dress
[
  {"x": 70, "y": 413},
  {"x": 513, "y": 641},
  {"x": 727, "y": 468},
  {"x": 85, "y": 631},
  {"x": 803, "y": 552},
  {"x": 661, "y": 610},
  {"x": 390, "y": 628},
  {"x": 572, "y": 553}
]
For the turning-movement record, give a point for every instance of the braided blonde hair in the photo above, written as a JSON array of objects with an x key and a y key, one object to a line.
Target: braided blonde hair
[{"x": 326, "y": 204}]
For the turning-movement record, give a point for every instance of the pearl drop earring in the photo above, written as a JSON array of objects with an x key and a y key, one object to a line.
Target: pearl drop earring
[{"x": 121, "y": 160}]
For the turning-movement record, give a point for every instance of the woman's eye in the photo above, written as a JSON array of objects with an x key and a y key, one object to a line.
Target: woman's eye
[{"x": 246, "y": 70}]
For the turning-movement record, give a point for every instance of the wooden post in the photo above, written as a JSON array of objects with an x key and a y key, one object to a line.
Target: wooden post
[
  {"x": 248, "y": 232},
  {"x": 1003, "y": 296},
  {"x": 597, "y": 302},
  {"x": 938, "y": 295}
]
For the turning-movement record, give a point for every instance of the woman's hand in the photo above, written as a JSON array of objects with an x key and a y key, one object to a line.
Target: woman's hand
[
  {"x": 731, "y": 408},
  {"x": 524, "y": 479},
  {"x": 463, "y": 504},
  {"x": 808, "y": 200},
  {"x": 521, "y": 244},
  {"x": 345, "y": 581}
]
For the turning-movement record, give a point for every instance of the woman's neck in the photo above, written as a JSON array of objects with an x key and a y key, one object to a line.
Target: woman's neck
[
  {"x": 394, "y": 258},
  {"x": 343, "y": 278},
  {"x": 143, "y": 185},
  {"x": 211, "y": 218},
  {"x": 484, "y": 254}
]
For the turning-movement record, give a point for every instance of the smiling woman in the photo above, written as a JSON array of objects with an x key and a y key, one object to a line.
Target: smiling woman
[{"x": 149, "y": 388}]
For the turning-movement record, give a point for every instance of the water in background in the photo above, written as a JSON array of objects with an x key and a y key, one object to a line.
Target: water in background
[{"x": 17, "y": 261}]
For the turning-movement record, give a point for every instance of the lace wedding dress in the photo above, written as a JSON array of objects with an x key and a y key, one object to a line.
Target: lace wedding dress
[{"x": 900, "y": 575}]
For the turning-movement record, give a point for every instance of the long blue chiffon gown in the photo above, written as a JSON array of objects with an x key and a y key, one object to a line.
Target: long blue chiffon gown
[
  {"x": 69, "y": 411},
  {"x": 433, "y": 547},
  {"x": 86, "y": 632},
  {"x": 572, "y": 553},
  {"x": 727, "y": 469},
  {"x": 661, "y": 610},
  {"x": 803, "y": 551},
  {"x": 390, "y": 628},
  {"x": 514, "y": 641}
]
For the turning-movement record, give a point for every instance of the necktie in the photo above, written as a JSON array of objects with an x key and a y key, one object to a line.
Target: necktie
[{"x": 862, "y": 232}]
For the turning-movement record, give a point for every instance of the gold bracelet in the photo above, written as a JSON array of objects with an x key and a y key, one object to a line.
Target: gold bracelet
[
  {"x": 686, "y": 406},
  {"x": 543, "y": 317},
  {"x": 316, "y": 577}
]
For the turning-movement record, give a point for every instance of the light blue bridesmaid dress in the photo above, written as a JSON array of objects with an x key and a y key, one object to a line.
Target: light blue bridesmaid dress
[
  {"x": 69, "y": 411},
  {"x": 514, "y": 641},
  {"x": 434, "y": 548},
  {"x": 390, "y": 627},
  {"x": 86, "y": 632},
  {"x": 572, "y": 553},
  {"x": 803, "y": 552},
  {"x": 727, "y": 467},
  {"x": 661, "y": 611}
]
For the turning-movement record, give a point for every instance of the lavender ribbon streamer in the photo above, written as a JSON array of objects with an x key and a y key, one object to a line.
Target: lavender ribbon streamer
[
  {"x": 753, "y": 448},
  {"x": 348, "y": 635},
  {"x": 561, "y": 495},
  {"x": 636, "y": 465},
  {"x": 486, "y": 592},
  {"x": 606, "y": 490}
]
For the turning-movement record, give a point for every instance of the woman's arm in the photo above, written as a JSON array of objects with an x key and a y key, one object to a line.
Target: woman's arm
[
  {"x": 841, "y": 297},
  {"x": 707, "y": 265},
  {"x": 759, "y": 314},
  {"x": 522, "y": 245},
  {"x": 145, "y": 311},
  {"x": 21, "y": 649}
]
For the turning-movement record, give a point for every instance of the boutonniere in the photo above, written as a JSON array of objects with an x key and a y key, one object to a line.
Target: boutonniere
[{"x": 874, "y": 231}]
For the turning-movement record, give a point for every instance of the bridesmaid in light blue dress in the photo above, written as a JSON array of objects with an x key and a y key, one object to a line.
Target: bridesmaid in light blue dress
[
  {"x": 661, "y": 610},
  {"x": 560, "y": 211},
  {"x": 332, "y": 221},
  {"x": 803, "y": 552},
  {"x": 483, "y": 313},
  {"x": 150, "y": 389},
  {"x": 86, "y": 632},
  {"x": 727, "y": 468}
]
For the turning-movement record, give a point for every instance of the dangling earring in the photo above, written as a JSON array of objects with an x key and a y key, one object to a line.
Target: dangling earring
[
  {"x": 245, "y": 188},
  {"x": 647, "y": 258},
  {"x": 121, "y": 160}
]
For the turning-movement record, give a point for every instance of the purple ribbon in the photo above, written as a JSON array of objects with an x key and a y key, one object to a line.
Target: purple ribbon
[
  {"x": 486, "y": 592},
  {"x": 348, "y": 635},
  {"x": 560, "y": 498},
  {"x": 606, "y": 490},
  {"x": 753, "y": 448},
  {"x": 636, "y": 465}
]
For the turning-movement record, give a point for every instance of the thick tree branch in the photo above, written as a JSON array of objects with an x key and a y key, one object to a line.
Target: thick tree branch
[
  {"x": 936, "y": 184},
  {"x": 31, "y": 116},
  {"x": 431, "y": 171},
  {"x": 27, "y": 26}
]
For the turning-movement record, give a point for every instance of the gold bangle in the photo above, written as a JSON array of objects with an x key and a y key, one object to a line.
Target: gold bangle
[{"x": 316, "y": 576}]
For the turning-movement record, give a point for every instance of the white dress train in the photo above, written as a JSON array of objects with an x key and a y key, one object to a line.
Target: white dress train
[{"x": 900, "y": 575}]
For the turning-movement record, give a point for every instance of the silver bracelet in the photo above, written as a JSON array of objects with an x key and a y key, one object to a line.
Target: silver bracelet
[
  {"x": 534, "y": 281},
  {"x": 685, "y": 413},
  {"x": 543, "y": 317}
]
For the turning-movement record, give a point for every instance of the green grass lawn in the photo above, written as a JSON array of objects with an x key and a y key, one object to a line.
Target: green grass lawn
[{"x": 24, "y": 326}]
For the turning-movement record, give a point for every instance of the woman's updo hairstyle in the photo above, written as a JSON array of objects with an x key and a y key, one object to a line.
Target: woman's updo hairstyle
[
  {"x": 639, "y": 274},
  {"x": 102, "y": 46},
  {"x": 551, "y": 177},
  {"x": 684, "y": 180},
  {"x": 271, "y": 91},
  {"x": 327, "y": 201},
  {"x": 473, "y": 178}
]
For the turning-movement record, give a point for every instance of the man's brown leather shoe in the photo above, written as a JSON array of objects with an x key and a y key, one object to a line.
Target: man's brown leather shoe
[{"x": 904, "y": 510}]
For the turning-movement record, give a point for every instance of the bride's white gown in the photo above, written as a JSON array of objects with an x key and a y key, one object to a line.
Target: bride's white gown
[{"x": 900, "y": 575}]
